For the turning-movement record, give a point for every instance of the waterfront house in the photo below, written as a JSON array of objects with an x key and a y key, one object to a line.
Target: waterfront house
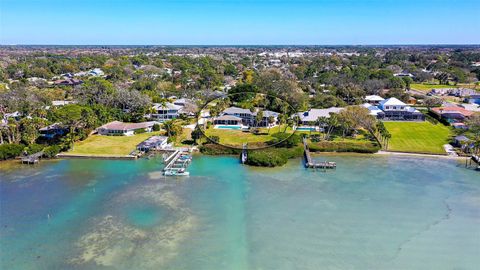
[
  {"x": 228, "y": 120},
  {"x": 153, "y": 143},
  {"x": 245, "y": 114},
  {"x": 165, "y": 112},
  {"x": 266, "y": 116},
  {"x": 53, "y": 131},
  {"x": 249, "y": 118},
  {"x": 395, "y": 109},
  {"x": 310, "y": 117},
  {"x": 117, "y": 128}
]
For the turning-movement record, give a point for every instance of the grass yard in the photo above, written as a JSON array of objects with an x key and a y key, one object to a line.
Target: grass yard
[
  {"x": 427, "y": 87},
  {"x": 238, "y": 137},
  {"x": 97, "y": 145},
  {"x": 418, "y": 137}
]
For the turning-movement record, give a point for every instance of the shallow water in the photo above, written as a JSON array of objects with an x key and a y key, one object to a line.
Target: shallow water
[{"x": 373, "y": 212}]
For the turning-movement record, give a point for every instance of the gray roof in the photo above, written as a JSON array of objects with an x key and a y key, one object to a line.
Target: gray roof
[
  {"x": 462, "y": 138},
  {"x": 228, "y": 118},
  {"x": 268, "y": 113},
  {"x": 314, "y": 114},
  {"x": 167, "y": 106},
  {"x": 233, "y": 110}
]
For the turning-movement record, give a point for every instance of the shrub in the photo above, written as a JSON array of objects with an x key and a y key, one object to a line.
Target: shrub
[
  {"x": 52, "y": 151},
  {"x": 156, "y": 127},
  {"x": 315, "y": 138},
  {"x": 272, "y": 157},
  {"x": 11, "y": 150},
  {"x": 34, "y": 148},
  {"x": 216, "y": 149},
  {"x": 357, "y": 147},
  {"x": 285, "y": 140},
  {"x": 139, "y": 131},
  {"x": 214, "y": 139}
]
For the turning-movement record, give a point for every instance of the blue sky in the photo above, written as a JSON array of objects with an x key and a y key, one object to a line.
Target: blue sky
[{"x": 231, "y": 22}]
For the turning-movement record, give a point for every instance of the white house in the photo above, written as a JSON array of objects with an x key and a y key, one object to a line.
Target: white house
[
  {"x": 374, "y": 99},
  {"x": 165, "y": 112},
  {"x": 117, "y": 128},
  {"x": 153, "y": 143},
  {"x": 249, "y": 118},
  {"x": 374, "y": 110},
  {"x": 96, "y": 72},
  {"x": 395, "y": 109},
  {"x": 310, "y": 117}
]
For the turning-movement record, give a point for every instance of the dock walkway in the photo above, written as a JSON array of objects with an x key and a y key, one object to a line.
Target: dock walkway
[
  {"x": 177, "y": 163},
  {"x": 309, "y": 163},
  {"x": 33, "y": 158}
]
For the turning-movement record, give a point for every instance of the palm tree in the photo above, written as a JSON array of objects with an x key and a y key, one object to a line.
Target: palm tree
[
  {"x": 259, "y": 117},
  {"x": 321, "y": 122},
  {"x": 332, "y": 122},
  {"x": 172, "y": 128},
  {"x": 294, "y": 121},
  {"x": 271, "y": 120},
  {"x": 388, "y": 136}
]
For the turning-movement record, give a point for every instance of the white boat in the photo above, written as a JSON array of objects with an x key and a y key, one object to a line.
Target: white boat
[{"x": 176, "y": 173}]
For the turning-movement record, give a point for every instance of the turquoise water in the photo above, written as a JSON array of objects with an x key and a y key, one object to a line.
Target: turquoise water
[
  {"x": 373, "y": 212},
  {"x": 229, "y": 127}
]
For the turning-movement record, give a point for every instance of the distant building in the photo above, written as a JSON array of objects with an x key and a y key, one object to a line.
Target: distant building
[
  {"x": 374, "y": 99},
  {"x": 452, "y": 114},
  {"x": 58, "y": 103},
  {"x": 404, "y": 74},
  {"x": 53, "y": 131},
  {"x": 68, "y": 82},
  {"x": 474, "y": 99},
  {"x": 96, "y": 72},
  {"x": 117, "y": 128}
]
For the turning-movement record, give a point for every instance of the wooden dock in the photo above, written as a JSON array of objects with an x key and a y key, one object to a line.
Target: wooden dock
[
  {"x": 244, "y": 155},
  {"x": 309, "y": 163},
  {"x": 32, "y": 159},
  {"x": 177, "y": 163}
]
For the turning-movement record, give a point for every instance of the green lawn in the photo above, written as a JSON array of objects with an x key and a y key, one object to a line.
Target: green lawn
[
  {"x": 418, "y": 137},
  {"x": 109, "y": 145},
  {"x": 427, "y": 87},
  {"x": 238, "y": 137}
]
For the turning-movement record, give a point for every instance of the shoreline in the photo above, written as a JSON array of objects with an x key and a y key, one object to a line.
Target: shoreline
[
  {"x": 394, "y": 153},
  {"x": 128, "y": 157}
]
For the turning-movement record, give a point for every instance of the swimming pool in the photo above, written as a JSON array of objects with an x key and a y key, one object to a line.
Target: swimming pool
[
  {"x": 228, "y": 127},
  {"x": 306, "y": 129}
]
